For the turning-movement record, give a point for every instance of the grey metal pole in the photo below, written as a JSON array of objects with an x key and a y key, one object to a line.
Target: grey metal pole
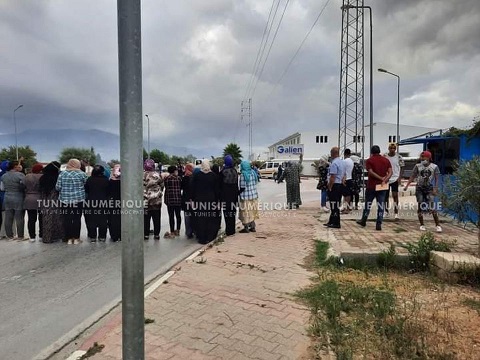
[
  {"x": 16, "y": 137},
  {"x": 15, "y": 124},
  {"x": 148, "y": 136},
  {"x": 398, "y": 102},
  {"x": 398, "y": 109},
  {"x": 131, "y": 154},
  {"x": 371, "y": 77}
]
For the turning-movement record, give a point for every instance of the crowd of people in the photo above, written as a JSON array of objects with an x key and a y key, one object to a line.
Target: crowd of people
[
  {"x": 56, "y": 200},
  {"x": 341, "y": 181}
]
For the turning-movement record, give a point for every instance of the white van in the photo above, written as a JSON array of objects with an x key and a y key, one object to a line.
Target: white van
[{"x": 269, "y": 169}]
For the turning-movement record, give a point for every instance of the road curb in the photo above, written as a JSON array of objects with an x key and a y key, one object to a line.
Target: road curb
[
  {"x": 87, "y": 324},
  {"x": 76, "y": 355},
  {"x": 152, "y": 283}
]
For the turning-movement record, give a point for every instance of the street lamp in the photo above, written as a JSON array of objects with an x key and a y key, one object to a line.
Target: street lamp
[
  {"x": 15, "y": 123},
  {"x": 398, "y": 101},
  {"x": 347, "y": 7},
  {"x": 148, "y": 135}
]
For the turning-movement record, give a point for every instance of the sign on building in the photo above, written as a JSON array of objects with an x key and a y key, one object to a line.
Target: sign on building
[{"x": 289, "y": 150}]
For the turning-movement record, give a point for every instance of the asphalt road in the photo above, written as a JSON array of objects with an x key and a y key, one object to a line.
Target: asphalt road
[{"x": 46, "y": 290}]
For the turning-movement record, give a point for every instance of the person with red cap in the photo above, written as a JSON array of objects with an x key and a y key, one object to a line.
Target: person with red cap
[{"x": 426, "y": 174}]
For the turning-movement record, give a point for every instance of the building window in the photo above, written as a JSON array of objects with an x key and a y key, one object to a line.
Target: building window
[
  {"x": 392, "y": 139},
  {"x": 321, "y": 139}
]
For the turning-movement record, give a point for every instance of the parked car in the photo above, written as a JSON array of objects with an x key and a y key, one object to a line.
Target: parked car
[{"x": 269, "y": 169}]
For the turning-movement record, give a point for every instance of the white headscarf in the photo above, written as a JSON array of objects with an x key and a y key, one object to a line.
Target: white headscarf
[
  {"x": 355, "y": 159},
  {"x": 205, "y": 166}
]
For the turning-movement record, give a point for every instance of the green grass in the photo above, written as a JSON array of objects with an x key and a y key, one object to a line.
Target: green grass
[
  {"x": 343, "y": 314},
  {"x": 387, "y": 258},
  {"x": 472, "y": 304},
  {"x": 321, "y": 251},
  {"x": 419, "y": 252},
  {"x": 356, "y": 314}
]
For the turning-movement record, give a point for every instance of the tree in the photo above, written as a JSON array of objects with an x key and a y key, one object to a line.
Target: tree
[
  {"x": 234, "y": 151},
  {"x": 190, "y": 159},
  {"x": 87, "y": 155},
  {"x": 113, "y": 162},
  {"x": 160, "y": 157},
  {"x": 217, "y": 161},
  {"x": 174, "y": 159},
  {"x": 257, "y": 163},
  {"x": 470, "y": 132},
  {"x": 461, "y": 193},
  {"x": 25, "y": 152}
]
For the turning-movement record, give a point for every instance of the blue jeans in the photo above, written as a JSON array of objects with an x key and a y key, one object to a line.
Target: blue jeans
[
  {"x": 370, "y": 195},
  {"x": 323, "y": 198}
]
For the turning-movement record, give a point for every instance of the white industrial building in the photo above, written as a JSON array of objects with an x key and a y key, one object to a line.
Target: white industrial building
[{"x": 316, "y": 144}]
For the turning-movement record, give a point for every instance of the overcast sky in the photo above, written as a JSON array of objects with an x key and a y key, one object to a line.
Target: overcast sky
[{"x": 59, "y": 59}]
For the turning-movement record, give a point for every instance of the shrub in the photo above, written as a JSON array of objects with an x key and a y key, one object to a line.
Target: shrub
[{"x": 419, "y": 253}]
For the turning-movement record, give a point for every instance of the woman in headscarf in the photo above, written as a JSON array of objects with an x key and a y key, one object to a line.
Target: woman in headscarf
[
  {"x": 114, "y": 215},
  {"x": 13, "y": 185},
  {"x": 52, "y": 220},
  {"x": 248, "y": 197},
  {"x": 71, "y": 187},
  {"x": 292, "y": 179},
  {"x": 3, "y": 171},
  {"x": 323, "y": 166},
  {"x": 96, "y": 189},
  {"x": 173, "y": 200},
  {"x": 107, "y": 172},
  {"x": 357, "y": 177},
  {"x": 205, "y": 195},
  {"x": 152, "y": 195},
  {"x": 187, "y": 199},
  {"x": 218, "y": 216},
  {"x": 32, "y": 197},
  {"x": 229, "y": 194}
]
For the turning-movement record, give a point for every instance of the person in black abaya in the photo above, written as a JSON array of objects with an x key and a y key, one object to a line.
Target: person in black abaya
[
  {"x": 114, "y": 215},
  {"x": 205, "y": 195},
  {"x": 229, "y": 194},
  {"x": 218, "y": 216}
]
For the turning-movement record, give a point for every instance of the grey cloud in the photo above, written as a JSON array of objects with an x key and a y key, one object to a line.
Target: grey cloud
[{"x": 61, "y": 61}]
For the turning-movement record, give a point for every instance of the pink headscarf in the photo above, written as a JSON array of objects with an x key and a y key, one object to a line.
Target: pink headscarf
[
  {"x": 116, "y": 172},
  {"x": 189, "y": 169},
  {"x": 149, "y": 165}
]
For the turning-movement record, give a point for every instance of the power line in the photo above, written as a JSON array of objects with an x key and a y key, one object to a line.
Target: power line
[
  {"x": 301, "y": 45},
  {"x": 271, "y": 45},
  {"x": 256, "y": 64},
  {"x": 263, "y": 47},
  {"x": 254, "y": 70},
  {"x": 297, "y": 52}
]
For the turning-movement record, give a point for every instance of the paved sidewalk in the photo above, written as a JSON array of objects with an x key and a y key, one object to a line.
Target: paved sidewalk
[
  {"x": 352, "y": 238},
  {"x": 234, "y": 301}
]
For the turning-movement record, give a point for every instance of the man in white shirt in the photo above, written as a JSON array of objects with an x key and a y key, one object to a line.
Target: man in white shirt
[
  {"x": 347, "y": 181},
  {"x": 395, "y": 180}
]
